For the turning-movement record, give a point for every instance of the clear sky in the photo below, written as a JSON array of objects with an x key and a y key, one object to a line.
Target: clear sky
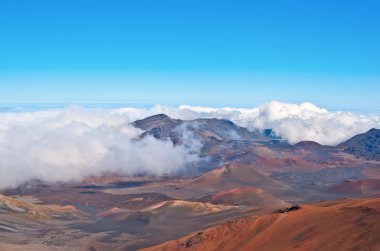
[{"x": 191, "y": 51}]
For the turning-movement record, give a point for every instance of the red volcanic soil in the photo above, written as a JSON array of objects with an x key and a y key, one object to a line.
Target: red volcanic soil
[
  {"x": 291, "y": 163},
  {"x": 232, "y": 176},
  {"x": 337, "y": 225},
  {"x": 248, "y": 196},
  {"x": 351, "y": 188}
]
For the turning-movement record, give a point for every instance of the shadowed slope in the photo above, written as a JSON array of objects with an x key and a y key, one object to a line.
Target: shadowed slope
[{"x": 366, "y": 145}]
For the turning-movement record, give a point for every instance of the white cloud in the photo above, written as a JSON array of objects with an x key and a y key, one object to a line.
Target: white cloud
[
  {"x": 71, "y": 143},
  {"x": 294, "y": 122}
]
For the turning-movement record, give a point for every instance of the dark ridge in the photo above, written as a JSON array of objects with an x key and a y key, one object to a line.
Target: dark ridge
[
  {"x": 159, "y": 120},
  {"x": 196, "y": 239},
  {"x": 289, "y": 209},
  {"x": 210, "y": 131},
  {"x": 308, "y": 144},
  {"x": 365, "y": 145},
  {"x": 160, "y": 116},
  {"x": 88, "y": 192}
]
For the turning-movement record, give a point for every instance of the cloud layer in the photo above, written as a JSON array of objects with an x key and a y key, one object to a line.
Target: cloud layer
[
  {"x": 294, "y": 122},
  {"x": 72, "y": 143},
  {"x": 67, "y": 145}
]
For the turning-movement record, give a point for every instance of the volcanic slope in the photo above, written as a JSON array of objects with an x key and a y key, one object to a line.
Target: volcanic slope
[
  {"x": 162, "y": 221},
  {"x": 247, "y": 196},
  {"x": 337, "y": 225},
  {"x": 366, "y": 145},
  {"x": 357, "y": 188},
  {"x": 233, "y": 176},
  {"x": 209, "y": 131}
]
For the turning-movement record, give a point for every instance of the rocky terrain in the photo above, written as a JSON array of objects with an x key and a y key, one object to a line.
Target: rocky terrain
[
  {"x": 365, "y": 145},
  {"x": 337, "y": 225},
  {"x": 243, "y": 193}
]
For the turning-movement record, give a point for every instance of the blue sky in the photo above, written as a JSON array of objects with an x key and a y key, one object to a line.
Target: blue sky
[{"x": 195, "y": 52}]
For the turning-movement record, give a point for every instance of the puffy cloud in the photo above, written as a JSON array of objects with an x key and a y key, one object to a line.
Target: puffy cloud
[
  {"x": 294, "y": 122},
  {"x": 71, "y": 143},
  {"x": 67, "y": 145}
]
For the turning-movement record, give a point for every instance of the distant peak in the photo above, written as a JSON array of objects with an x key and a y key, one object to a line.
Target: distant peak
[
  {"x": 158, "y": 120},
  {"x": 307, "y": 144},
  {"x": 159, "y": 116},
  {"x": 374, "y": 130}
]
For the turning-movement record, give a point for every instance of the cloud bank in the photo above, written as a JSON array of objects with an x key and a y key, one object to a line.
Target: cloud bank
[
  {"x": 67, "y": 145},
  {"x": 71, "y": 143},
  {"x": 294, "y": 122}
]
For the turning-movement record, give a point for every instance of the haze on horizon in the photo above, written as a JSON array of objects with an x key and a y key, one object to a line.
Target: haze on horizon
[{"x": 219, "y": 53}]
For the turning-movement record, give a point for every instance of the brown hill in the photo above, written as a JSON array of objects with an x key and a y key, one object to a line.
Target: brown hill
[
  {"x": 308, "y": 144},
  {"x": 162, "y": 221},
  {"x": 234, "y": 176},
  {"x": 21, "y": 208},
  {"x": 337, "y": 225},
  {"x": 247, "y": 196},
  {"x": 270, "y": 165},
  {"x": 354, "y": 188},
  {"x": 187, "y": 208}
]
